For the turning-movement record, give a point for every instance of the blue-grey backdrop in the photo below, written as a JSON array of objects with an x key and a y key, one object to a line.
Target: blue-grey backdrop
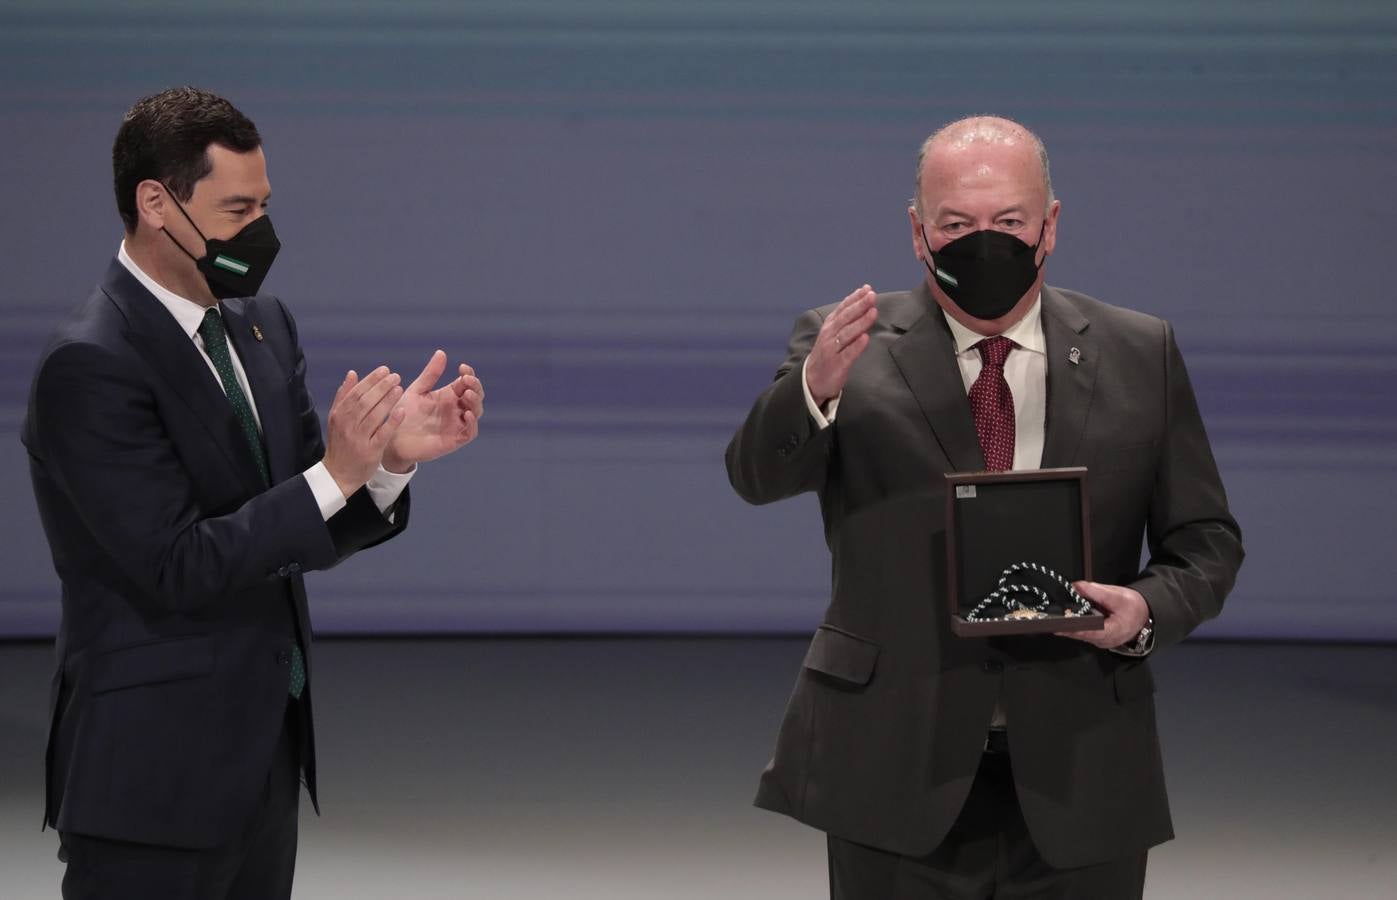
[{"x": 614, "y": 209}]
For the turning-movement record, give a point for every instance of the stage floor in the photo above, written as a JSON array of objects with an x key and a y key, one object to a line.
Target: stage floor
[{"x": 624, "y": 768}]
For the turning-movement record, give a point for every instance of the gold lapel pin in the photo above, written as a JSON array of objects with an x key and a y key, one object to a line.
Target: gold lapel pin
[
  {"x": 1074, "y": 356},
  {"x": 257, "y": 333}
]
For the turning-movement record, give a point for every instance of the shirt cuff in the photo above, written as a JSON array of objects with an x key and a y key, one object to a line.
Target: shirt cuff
[
  {"x": 328, "y": 495},
  {"x": 386, "y": 487},
  {"x": 823, "y": 417}
]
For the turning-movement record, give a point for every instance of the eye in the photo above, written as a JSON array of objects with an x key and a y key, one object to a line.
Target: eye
[
  {"x": 953, "y": 227},
  {"x": 1011, "y": 224}
]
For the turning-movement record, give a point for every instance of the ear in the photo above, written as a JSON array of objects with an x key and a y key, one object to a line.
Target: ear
[
  {"x": 1050, "y": 229},
  {"x": 918, "y": 247},
  {"x": 151, "y": 205}
]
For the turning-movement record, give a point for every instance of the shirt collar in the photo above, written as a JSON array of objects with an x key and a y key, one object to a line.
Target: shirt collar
[
  {"x": 189, "y": 314},
  {"x": 1026, "y": 332}
]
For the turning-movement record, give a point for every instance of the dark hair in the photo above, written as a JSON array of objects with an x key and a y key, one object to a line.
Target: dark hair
[{"x": 166, "y": 137}]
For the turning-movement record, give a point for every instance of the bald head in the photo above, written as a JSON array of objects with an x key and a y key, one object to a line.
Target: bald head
[{"x": 974, "y": 146}]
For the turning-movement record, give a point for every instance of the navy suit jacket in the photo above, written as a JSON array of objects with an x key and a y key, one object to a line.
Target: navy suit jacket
[{"x": 181, "y": 572}]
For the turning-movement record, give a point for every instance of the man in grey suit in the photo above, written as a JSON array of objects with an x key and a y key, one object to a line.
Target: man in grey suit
[{"x": 1021, "y": 766}]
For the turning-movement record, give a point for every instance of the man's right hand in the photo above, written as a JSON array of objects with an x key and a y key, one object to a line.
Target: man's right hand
[
  {"x": 362, "y": 421},
  {"x": 841, "y": 340}
]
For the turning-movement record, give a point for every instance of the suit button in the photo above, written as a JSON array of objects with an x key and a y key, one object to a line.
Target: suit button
[
  {"x": 993, "y": 666},
  {"x": 283, "y": 658},
  {"x": 782, "y": 452},
  {"x": 293, "y": 568}
]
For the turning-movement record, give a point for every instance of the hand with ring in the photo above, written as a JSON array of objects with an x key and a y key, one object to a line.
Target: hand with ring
[{"x": 842, "y": 339}]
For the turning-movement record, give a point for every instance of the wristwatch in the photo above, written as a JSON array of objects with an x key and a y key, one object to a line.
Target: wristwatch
[{"x": 1143, "y": 642}]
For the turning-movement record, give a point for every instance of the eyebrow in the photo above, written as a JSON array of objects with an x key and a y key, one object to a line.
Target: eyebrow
[
  {"x": 243, "y": 199},
  {"x": 964, "y": 215}
]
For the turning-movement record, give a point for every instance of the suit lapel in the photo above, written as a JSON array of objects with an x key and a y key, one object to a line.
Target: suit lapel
[
  {"x": 1070, "y": 384},
  {"x": 170, "y": 350},
  {"x": 268, "y": 383},
  {"x": 926, "y": 357}
]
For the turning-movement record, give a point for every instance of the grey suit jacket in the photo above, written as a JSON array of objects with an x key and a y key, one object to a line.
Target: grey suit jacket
[{"x": 886, "y": 725}]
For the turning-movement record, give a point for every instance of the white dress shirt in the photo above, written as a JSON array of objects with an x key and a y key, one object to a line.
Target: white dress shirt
[{"x": 384, "y": 487}]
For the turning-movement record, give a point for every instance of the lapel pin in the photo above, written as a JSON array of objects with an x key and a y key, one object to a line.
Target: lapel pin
[
  {"x": 257, "y": 333},
  {"x": 1074, "y": 356}
]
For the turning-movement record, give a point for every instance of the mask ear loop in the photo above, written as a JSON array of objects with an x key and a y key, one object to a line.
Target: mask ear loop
[
  {"x": 187, "y": 218},
  {"x": 930, "y": 259}
]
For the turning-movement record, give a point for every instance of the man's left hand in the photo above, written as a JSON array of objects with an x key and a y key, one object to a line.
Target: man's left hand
[
  {"x": 1126, "y": 613},
  {"x": 436, "y": 422}
]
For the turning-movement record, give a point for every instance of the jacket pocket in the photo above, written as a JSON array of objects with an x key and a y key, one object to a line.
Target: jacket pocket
[
  {"x": 1133, "y": 681},
  {"x": 153, "y": 662},
  {"x": 841, "y": 655}
]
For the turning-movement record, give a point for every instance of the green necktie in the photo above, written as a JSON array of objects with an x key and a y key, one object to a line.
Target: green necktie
[{"x": 216, "y": 346}]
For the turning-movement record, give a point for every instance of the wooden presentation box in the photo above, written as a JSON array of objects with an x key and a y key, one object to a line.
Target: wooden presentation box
[{"x": 997, "y": 519}]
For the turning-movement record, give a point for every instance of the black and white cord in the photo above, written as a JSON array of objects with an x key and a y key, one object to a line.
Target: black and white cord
[{"x": 1006, "y": 593}]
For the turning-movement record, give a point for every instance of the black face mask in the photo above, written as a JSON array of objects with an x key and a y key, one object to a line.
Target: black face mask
[
  {"x": 237, "y": 266},
  {"x": 985, "y": 272}
]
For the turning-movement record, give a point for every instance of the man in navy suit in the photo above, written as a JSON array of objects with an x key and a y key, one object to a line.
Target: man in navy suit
[{"x": 185, "y": 487}]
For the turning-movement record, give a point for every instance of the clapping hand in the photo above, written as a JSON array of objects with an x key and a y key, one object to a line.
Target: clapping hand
[
  {"x": 363, "y": 419},
  {"x": 435, "y": 421}
]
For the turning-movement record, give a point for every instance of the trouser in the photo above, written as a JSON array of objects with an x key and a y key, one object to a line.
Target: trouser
[{"x": 988, "y": 853}]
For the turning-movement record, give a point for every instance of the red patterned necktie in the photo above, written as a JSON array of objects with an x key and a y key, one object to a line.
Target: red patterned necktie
[{"x": 993, "y": 405}]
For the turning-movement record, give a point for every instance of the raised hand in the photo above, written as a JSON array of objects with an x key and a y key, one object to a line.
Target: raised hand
[
  {"x": 841, "y": 340},
  {"x": 363, "y": 419},
  {"x": 436, "y": 421}
]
